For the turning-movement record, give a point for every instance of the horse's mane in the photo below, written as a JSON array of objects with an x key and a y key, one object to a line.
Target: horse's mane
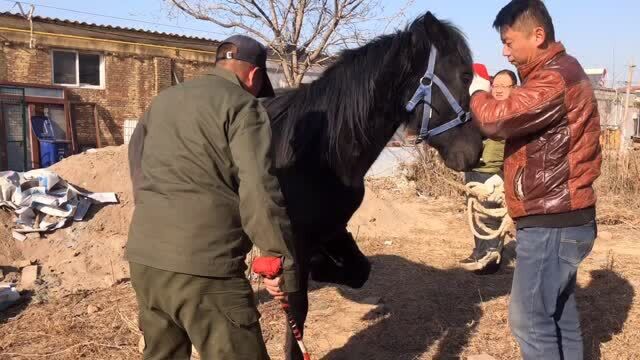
[{"x": 346, "y": 94}]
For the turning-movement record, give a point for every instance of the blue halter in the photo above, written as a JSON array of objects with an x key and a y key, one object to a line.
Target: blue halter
[{"x": 424, "y": 93}]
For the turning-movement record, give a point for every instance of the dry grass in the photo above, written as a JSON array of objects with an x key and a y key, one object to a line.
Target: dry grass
[
  {"x": 431, "y": 309},
  {"x": 434, "y": 310},
  {"x": 621, "y": 176},
  {"x": 618, "y": 188},
  {"x": 63, "y": 329},
  {"x": 432, "y": 177}
]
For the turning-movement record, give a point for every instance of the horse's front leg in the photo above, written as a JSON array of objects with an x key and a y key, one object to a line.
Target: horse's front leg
[{"x": 299, "y": 306}]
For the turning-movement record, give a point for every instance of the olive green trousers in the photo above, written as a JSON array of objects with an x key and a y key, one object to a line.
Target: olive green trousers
[{"x": 217, "y": 315}]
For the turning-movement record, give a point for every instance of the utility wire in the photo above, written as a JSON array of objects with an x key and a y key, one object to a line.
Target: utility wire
[{"x": 116, "y": 17}]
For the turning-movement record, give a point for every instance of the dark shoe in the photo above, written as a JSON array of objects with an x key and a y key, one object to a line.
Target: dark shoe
[
  {"x": 479, "y": 262},
  {"x": 470, "y": 260},
  {"x": 490, "y": 267},
  {"x": 474, "y": 256},
  {"x": 467, "y": 260}
]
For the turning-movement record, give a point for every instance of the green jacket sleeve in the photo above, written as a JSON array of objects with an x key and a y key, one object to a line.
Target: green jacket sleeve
[
  {"x": 262, "y": 207},
  {"x": 494, "y": 153},
  {"x": 492, "y": 159}
]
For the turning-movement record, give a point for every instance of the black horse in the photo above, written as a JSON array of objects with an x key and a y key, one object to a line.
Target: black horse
[{"x": 328, "y": 133}]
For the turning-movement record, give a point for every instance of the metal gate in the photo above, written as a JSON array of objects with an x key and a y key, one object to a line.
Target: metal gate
[{"x": 14, "y": 143}]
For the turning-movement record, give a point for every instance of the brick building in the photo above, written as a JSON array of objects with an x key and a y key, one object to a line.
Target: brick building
[{"x": 93, "y": 81}]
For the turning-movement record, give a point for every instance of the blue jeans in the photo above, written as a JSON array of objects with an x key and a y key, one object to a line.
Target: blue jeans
[{"x": 543, "y": 315}]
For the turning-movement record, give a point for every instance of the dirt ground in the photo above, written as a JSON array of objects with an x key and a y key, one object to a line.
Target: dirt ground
[
  {"x": 85, "y": 255},
  {"x": 416, "y": 305}
]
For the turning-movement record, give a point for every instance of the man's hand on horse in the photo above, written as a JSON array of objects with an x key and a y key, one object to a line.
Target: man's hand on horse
[{"x": 273, "y": 287}]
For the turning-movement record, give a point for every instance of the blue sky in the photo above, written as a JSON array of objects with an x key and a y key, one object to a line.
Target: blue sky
[{"x": 591, "y": 30}]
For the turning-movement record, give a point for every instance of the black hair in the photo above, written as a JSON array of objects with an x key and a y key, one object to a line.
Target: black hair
[
  {"x": 533, "y": 11},
  {"x": 511, "y": 74}
]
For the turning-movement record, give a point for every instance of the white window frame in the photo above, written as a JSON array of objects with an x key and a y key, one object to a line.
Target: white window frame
[{"x": 77, "y": 84}]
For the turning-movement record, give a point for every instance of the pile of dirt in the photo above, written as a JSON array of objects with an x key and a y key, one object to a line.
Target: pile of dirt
[
  {"x": 90, "y": 254},
  {"x": 9, "y": 252},
  {"x": 87, "y": 254},
  {"x": 377, "y": 215},
  {"x": 393, "y": 212}
]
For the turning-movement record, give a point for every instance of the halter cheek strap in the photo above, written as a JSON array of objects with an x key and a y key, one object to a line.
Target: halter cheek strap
[{"x": 424, "y": 93}]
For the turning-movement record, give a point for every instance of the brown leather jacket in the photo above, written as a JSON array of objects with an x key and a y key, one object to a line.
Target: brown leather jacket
[{"x": 552, "y": 128}]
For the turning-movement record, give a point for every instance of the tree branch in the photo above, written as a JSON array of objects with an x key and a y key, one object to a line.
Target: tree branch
[
  {"x": 266, "y": 17},
  {"x": 229, "y": 25},
  {"x": 317, "y": 29},
  {"x": 300, "y": 33}
]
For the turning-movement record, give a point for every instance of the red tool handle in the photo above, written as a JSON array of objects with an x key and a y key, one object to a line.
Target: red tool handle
[
  {"x": 267, "y": 266},
  {"x": 270, "y": 267}
]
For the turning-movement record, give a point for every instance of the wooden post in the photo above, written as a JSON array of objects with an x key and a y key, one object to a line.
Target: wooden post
[
  {"x": 629, "y": 81},
  {"x": 71, "y": 129},
  {"x": 626, "y": 105},
  {"x": 4, "y": 158},
  {"x": 35, "y": 144}
]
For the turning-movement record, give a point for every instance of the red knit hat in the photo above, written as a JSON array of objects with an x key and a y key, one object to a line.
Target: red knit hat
[
  {"x": 481, "y": 71},
  {"x": 481, "y": 79}
]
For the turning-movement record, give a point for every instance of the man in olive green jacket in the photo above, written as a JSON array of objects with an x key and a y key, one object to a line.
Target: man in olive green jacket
[{"x": 204, "y": 191}]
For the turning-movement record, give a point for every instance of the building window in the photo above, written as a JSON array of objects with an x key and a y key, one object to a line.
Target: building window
[{"x": 73, "y": 68}]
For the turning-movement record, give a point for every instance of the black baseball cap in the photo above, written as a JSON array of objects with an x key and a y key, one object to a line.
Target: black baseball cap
[{"x": 251, "y": 51}]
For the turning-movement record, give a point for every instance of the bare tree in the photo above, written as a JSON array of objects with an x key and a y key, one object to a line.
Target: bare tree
[{"x": 301, "y": 33}]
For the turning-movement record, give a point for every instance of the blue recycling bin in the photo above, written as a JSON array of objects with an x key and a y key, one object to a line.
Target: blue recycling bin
[{"x": 51, "y": 149}]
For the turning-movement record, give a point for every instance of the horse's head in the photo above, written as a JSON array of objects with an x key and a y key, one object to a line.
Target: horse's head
[
  {"x": 437, "y": 91},
  {"x": 348, "y": 115}
]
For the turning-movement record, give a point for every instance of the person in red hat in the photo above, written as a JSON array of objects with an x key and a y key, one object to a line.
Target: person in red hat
[
  {"x": 481, "y": 79},
  {"x": 487, "y": 253}
]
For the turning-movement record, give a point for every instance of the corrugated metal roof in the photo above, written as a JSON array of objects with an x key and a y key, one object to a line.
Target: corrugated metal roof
[
  {"x": 44, "y": 19},
  {"x": 107, "y": 27}
]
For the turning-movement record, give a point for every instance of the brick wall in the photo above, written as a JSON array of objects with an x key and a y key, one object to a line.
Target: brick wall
[
  {"x": 188, "y": 70},
  {"x": 3, "y": 63},
  {"x": 21, "y": 64},
  {"x": 85, "y": 130},
  {"x": 131, "y": 82},
  {"x": 163, "y": 75}
]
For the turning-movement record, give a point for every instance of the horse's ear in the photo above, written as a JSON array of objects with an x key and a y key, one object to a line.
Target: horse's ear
[
  {"x": 436, "y": 30},
  {"x": 431, "y": 23},
  {"x": 419, "y": 27},
  {"x": 426, "y": 27}
]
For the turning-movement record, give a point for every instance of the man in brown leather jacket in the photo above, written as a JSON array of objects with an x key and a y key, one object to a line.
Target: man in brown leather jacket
[{"x": 552, "y": 157}]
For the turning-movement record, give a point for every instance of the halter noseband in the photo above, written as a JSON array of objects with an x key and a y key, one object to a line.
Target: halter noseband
[{"x": 424, "y": 93}]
